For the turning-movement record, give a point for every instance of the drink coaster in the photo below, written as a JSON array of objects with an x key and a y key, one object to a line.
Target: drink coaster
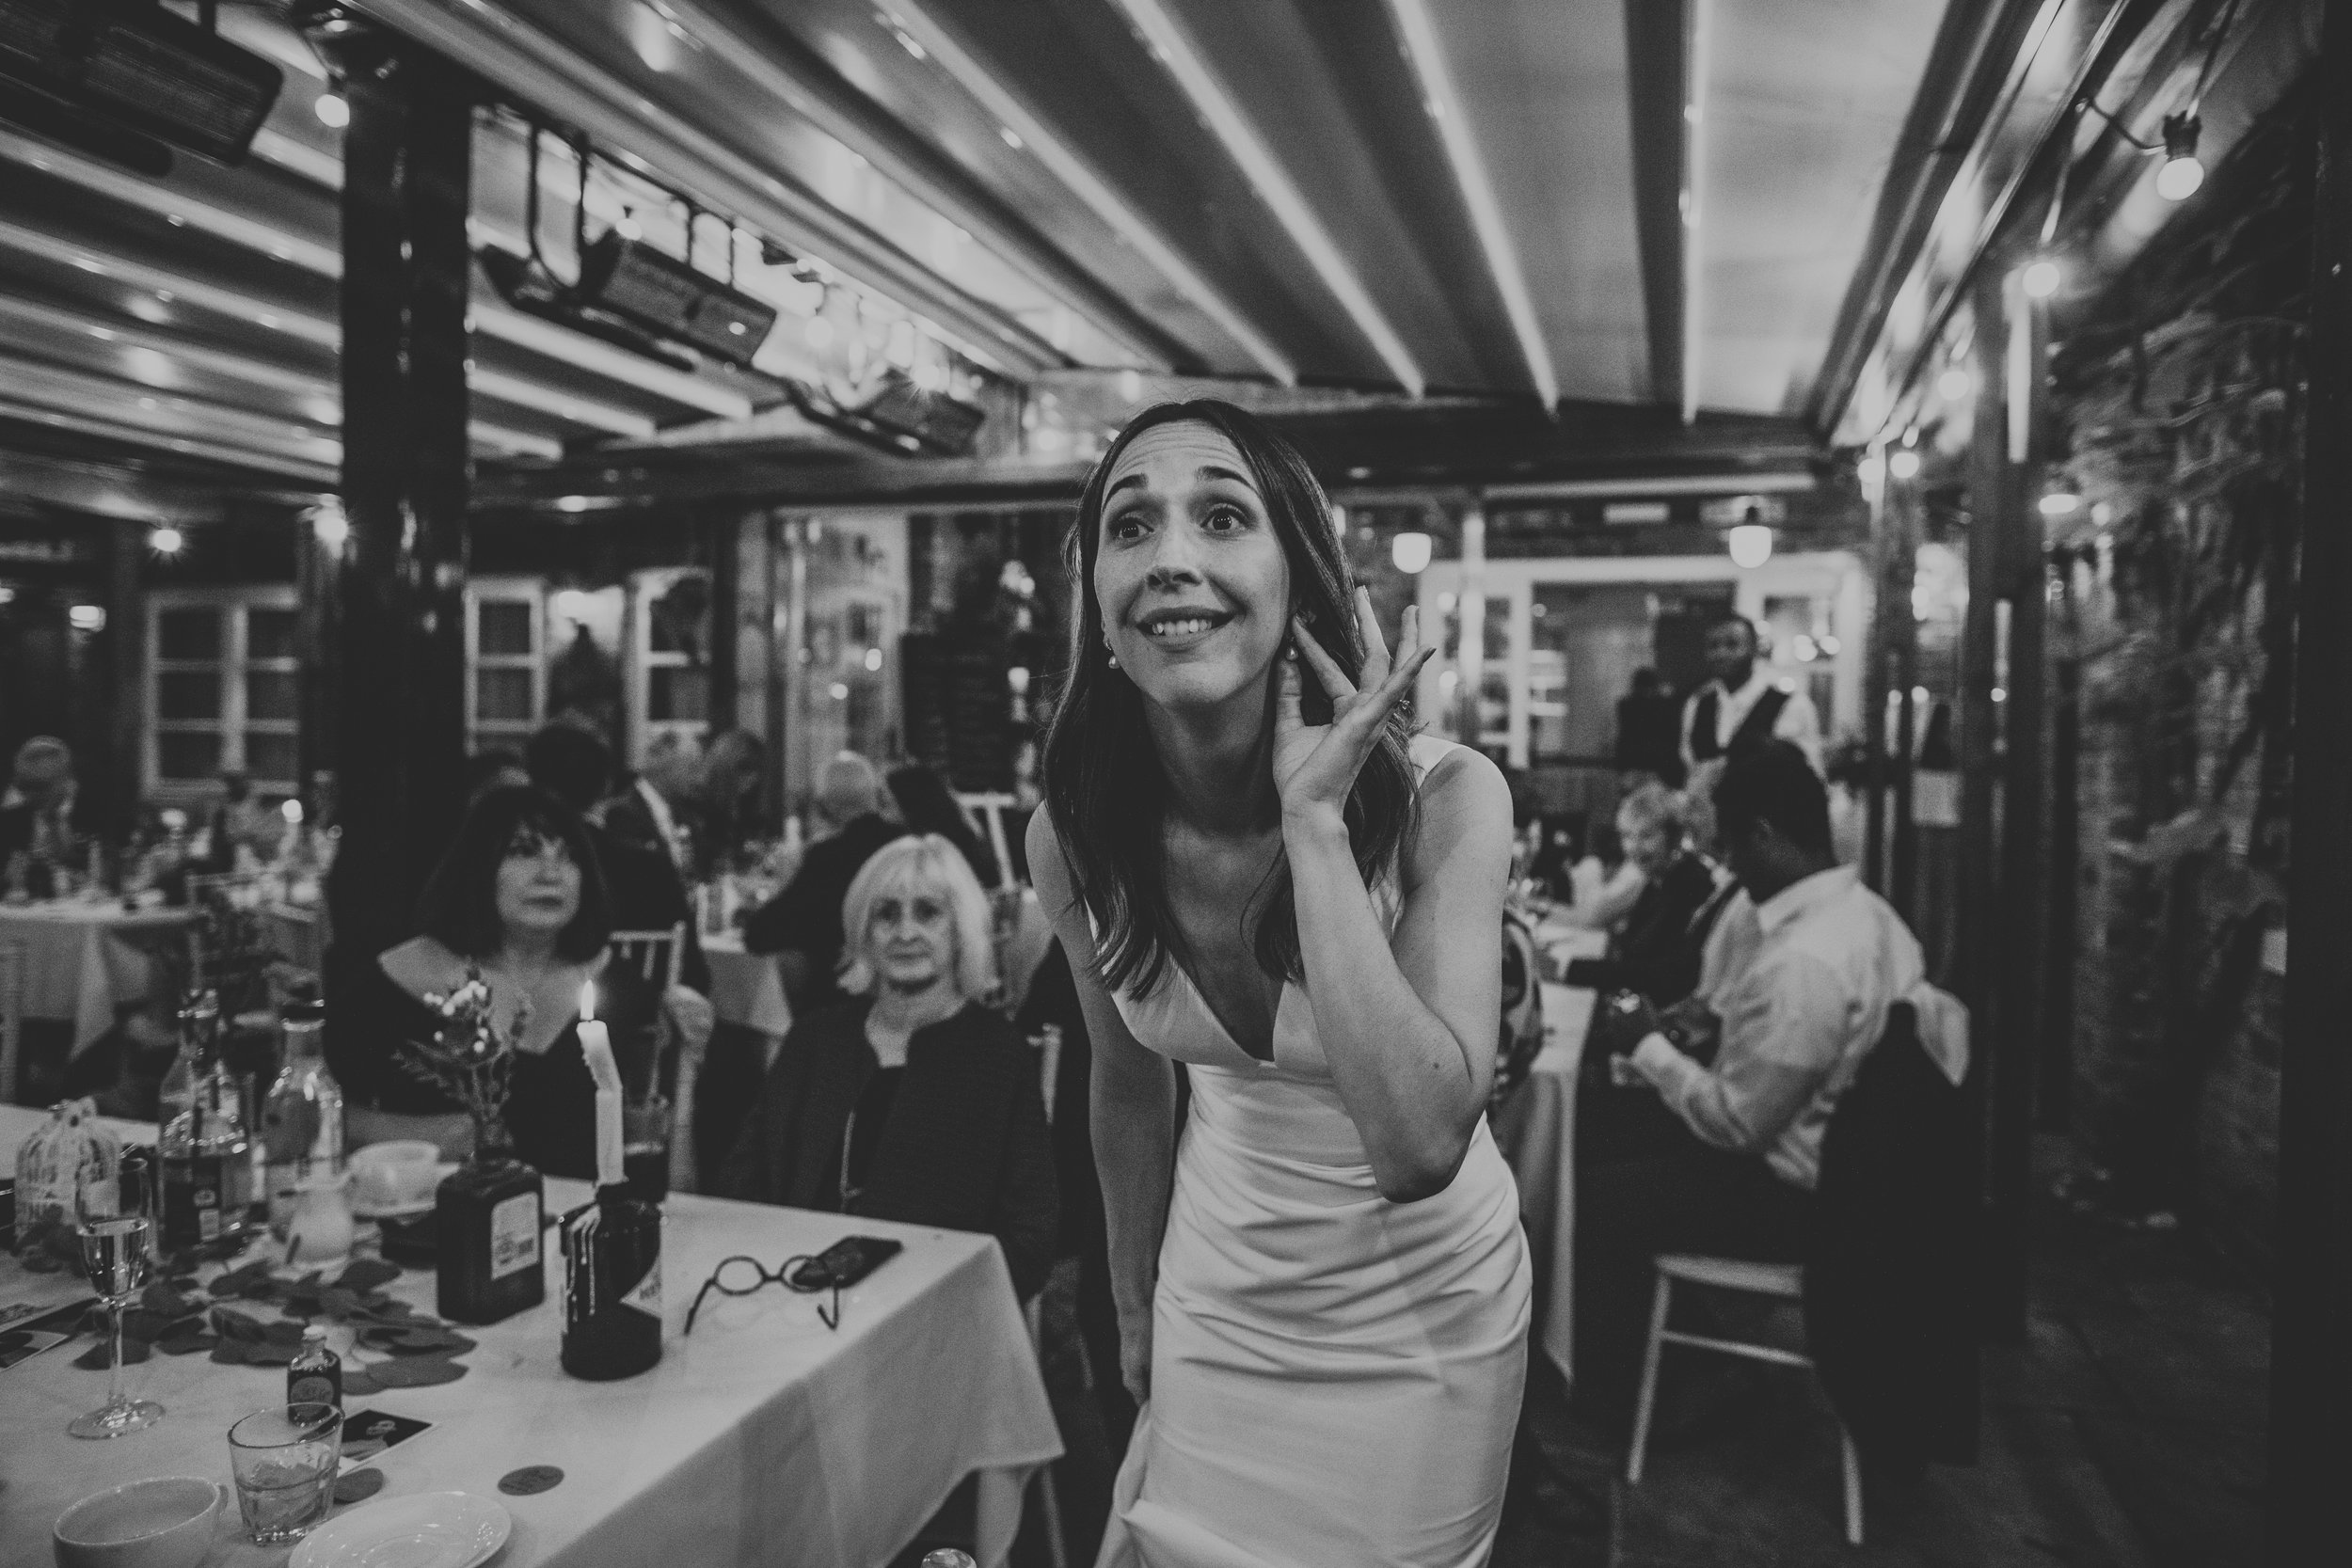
[
  {"x": 358, "y": 1486},
  {"x": 531, "y": 1479}
]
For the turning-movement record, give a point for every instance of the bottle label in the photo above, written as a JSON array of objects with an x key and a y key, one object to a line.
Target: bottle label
[
  {"x": 646, "y": 1294},
  {"x": 313, "y": 1388},
  {"x": 514, "y": 1235}
]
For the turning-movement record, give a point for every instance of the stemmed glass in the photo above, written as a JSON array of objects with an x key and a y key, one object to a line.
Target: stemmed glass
[{"x": 115, "y": 1215}]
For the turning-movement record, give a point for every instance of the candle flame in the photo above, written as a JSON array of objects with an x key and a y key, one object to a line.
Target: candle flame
[{"x": 587, "y": 1001}]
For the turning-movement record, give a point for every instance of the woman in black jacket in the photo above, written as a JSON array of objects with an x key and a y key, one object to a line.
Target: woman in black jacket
[{"x": 914, "y": 1102}]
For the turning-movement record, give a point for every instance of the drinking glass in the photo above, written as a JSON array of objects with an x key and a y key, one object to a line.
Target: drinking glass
[
  {"x": 114, "y": 1214},
  {"x": 284, "y": 1460}
]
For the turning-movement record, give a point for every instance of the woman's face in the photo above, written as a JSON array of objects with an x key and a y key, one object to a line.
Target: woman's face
[
  {"x": 538, "y": 885},
  {"x": 1650, "y": 842},
  {"x": 911, "y": 937},
  {"x": 1193, "y": 585}
]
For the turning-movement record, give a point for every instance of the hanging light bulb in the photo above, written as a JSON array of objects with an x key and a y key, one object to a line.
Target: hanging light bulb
[
  {"x": 2041, "y": 278},
  {"x": 1751, "y": 544},
  {"x": 165, "y": 540},
  {"x": 1410, "y": 551},
  {"x": 2178, "y": 180},
  {"x": 330, "y": 525},
  {"x": 1953, "y": 384},
  {"x": 332, "y": 107},
  {"x": 1902, "y": 463},
  {"x": 627, "y": 227}
]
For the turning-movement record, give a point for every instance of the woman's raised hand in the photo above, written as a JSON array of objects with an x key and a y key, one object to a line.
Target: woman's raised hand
[{"x": 1315, "y": 764}]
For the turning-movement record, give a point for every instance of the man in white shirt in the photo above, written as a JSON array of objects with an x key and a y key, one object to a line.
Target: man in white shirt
[
  {"x": 1802, "y": 989},
  {"x": 1738, "y": 710}
]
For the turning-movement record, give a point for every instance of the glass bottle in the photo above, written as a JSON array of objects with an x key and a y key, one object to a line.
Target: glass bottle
[
  {"x": 302, "y": 1116},
  {"x": 611, "y": 1286},
  {"x": 207, "y": 1158},
  {"x": 316, "y": 1375},
  {"x": 199, "y": 1028},
  {"x": 487, "y": 1217}
]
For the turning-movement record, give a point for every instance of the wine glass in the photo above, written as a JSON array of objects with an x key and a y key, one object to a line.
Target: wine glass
[{"x": 115, "y": 1214}]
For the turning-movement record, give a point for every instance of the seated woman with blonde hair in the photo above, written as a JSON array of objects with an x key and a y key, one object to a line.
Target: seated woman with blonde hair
[{"x": 913, "y": 1101}]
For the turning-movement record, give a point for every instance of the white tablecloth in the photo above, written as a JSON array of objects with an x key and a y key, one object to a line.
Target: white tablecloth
[
  {"x": 765, "y": 1439},
  {"x": 1536, "y": 1130},
  {"x": 746, "y": 988},
  {"x": 81, "y": 960}
]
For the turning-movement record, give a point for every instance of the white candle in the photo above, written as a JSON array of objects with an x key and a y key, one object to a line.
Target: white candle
[{"x": 596, "y": 1044}]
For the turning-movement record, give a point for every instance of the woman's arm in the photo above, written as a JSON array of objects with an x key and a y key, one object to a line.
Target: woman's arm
[
  {"x": 1408, "y": 1022},
  {"x": 1133, "y": 1099}
]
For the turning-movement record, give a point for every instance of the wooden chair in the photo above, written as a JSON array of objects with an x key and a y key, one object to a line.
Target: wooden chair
[
  {"x": 653, "y": 956},
  {"x": 1047, "y": 1043},
  {"x": 11, "y": 1020},
  {"x": 1773, "y": 1281}
]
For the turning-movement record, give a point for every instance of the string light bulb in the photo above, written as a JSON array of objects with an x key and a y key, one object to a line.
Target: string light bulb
[
  {"x": 332, "y": 107},
  {"x": 2180, "y": 176},
  {"x": 2041, "y": 278},
  {"x": 1953, "y": 384},
  {"x": 1751, "y": 546},
  {"x": 1903, "y": 463},
  {"x": 1410, "y": 550},
  {"x": 165, "y": 540}
]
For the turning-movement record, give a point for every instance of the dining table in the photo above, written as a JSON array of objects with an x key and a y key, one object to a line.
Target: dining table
[
  {"x": 763, "y": 1437},
  {"x": 1535, "y": 1128},
  {"x": 84, "y": 958}
]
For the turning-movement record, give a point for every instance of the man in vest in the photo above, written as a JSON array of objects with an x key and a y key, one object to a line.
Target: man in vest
[{"x": 1742, "y": 708}]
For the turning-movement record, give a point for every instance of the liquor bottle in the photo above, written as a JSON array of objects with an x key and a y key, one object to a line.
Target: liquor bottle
[
  {"x": 207, "y": 1158},
  {"x": 486, "y": 1218},
  {"x": 316, "y": 1375},
  {"x": 302, "y": 1118},
  {"x": 611, "y": 1249},
  {"x": 199, "y": 1026}
]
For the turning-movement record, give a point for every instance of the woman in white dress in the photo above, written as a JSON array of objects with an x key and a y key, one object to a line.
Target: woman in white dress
[{"x": 1257, "y": 871}]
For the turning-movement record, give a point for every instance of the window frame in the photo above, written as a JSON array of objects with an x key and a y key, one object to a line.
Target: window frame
[
  {"x": 527, "y": 590},
  {"x": 235, "y": 602}
]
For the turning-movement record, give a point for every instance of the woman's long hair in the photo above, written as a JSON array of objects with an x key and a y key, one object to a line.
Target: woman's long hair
[{"x": 1104, "y": 781}]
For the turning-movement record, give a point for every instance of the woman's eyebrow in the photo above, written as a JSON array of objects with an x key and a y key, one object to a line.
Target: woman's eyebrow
[{"x": 1211, "y": 470}]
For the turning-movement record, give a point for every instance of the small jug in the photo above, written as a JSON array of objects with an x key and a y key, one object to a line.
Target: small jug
[{"x": 319, "y": 1231}]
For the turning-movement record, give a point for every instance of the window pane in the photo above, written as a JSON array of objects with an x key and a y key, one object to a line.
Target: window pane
[
  {"x": 187, "y": 634},
  {"x": 502, "y": 630},
  {"x": 193, "y": 755},
  {"x": 187, "y": 694},
  {"x": 269, "y": 758},
  {"x": 676, "y": 693},
  {"x": 270, "y": 694},
  {"x": 269, "y": 634},
  {"x": 501, "y": 694}
]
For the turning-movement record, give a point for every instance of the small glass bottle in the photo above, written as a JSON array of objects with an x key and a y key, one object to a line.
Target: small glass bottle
[
  {"x": 316, "y": 1375},
  {"x": 302, "y": 1116},
  {"x": 611, "y": 1286},
  {"x": 486, "y": 1218},
  {"x": 207, "y": 1158}
]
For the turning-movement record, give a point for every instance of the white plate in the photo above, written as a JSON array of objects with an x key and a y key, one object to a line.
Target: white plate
[
  {"x": 363, "y": 1210},
  {"x": 432, "y": 1530}
]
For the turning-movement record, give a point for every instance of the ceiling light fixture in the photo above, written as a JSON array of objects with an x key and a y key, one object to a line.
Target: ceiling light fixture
[
  {"x": 2041, "y": 279},
  {"x": 329, "y": 524},
  {"x": 1954, "y": 384},
  {"x": 1903, "y": 464},
  {"x": 1751, "y": 544},
  {"x": 1470, "y": 173},
  {"x": 165, "y": 540},
  {"x": 332, "y": 107},
  {"x": 1273, "y": 185},
  {"x": 2060, "y": 504},
  {"x": 1410, "y": 551}
]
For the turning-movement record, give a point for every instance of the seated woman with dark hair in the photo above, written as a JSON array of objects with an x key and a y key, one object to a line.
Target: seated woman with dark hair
[
  {"x": 518, "y": 897},
  {"x": 914, "y": 1102},
  {"x": 927, "y": 805}
]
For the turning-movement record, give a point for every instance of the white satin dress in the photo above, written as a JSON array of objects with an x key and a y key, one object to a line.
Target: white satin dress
[{"x": 1335, "y": 1378}]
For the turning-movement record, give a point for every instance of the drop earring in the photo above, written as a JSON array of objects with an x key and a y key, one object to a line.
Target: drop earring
[{"x": 1109, "y": 657}]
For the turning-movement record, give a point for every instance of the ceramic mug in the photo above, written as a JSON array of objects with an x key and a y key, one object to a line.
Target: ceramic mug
[
  {"x": 164, "y": 1522},
  {"x": 401, "y": 1174}
]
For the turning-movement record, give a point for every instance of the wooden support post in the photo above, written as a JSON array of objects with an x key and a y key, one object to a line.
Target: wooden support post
[
  {"x": 1903, "y": 851},
  {"x": 126, "y": 648},
  {"x": 720, "y": 533},
  {"x": 2022, "y": 891},
  {"x": 2311, "y": 1354},
  {"x": 407, "y": 466}
]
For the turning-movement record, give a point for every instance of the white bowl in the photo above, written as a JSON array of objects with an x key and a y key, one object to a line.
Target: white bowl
[{"x": 163, "y": 1522}]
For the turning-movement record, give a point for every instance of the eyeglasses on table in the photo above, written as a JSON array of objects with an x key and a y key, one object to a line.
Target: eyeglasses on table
[{"x": 740, "y": 1275}]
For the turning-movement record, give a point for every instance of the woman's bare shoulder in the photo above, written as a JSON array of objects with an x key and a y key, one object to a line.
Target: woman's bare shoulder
[
  {"x": 1464, "y": 802},
  {"x": 421, "y": 964}
]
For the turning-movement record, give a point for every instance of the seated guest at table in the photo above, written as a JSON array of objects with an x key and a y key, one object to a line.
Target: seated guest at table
[
  {"x": 801, "y": 925},
  {"x": 913, "y": 1102},
  {"x": 1796, "y": 1019},
  {"x": 520, "y": 897},
  {"x": 44, "y": 805},
  {"x": 728, "y": 798},
  {"x": 927, "y": 805}
]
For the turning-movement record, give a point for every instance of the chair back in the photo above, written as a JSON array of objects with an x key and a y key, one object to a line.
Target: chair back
[
  {"x": 229, "y": 946},
  {"x": 652, "y": 957},
  {"x": 12, "y": 1018},
  {"x": 1888, "y": 1287}
]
